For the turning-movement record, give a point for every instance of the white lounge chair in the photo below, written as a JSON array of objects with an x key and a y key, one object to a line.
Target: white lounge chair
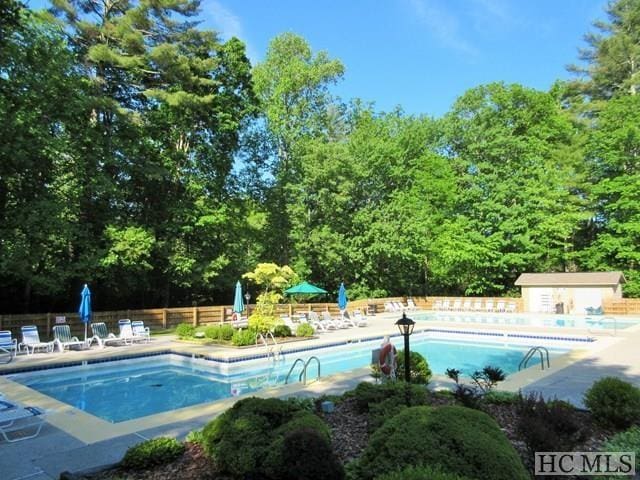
[
  {"x": 63, "y": 339},
  {"x": 477, "y": 306},
  {"x": 8, "y": 344},
  {"x": 360, "y": 319},
  {"x": 104, "y": 337},
  {"x": 142, "y": 332},
  {"x": 411, "y": 305},
  {"x": 457, "y": 305},
  {"x": 31, "y": 340},
  {"x": 466, "y": 305},
  {"x": 445, "y": 305},
  {"x": 314, "y": 320},
  {"x": 388, "y": 307},
  {"x": 500, "y": 306},
  {"x": 489, "y": 306},
  {"x": 511, "y": 307},
  {"x": 337, "y": 323},
  {"x": 437, "y": 304},
  {"x": 16, "y": 418}
]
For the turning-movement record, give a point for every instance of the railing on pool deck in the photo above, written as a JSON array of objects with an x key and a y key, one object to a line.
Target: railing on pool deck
[
  {"x": 272, "y": 351},
  {"x": 529, "y": 355},
  {"x": 305, "y": 365}
]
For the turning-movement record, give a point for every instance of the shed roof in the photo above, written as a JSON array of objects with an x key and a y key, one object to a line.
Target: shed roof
[{"x": 564, "y": 279}]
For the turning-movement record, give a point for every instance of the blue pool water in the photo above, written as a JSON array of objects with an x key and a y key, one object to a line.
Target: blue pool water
[
  {"x": 126, "y": 389},
  {"x": 562, "y": 321}
]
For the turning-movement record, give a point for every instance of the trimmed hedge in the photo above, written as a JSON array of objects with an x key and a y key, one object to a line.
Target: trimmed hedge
[
  {"x": 613, "y": 402},
  {"x": 420, "y": 473},
  {"x": 250, "y": 439},
  {"x": 304, "y": 330},
  {"x": 150, "y": 453},
  {"x": 419, "y": 370},
  {"x": 627, "y": 441},
  {"x": 184, "y": 330},
  {"x": 460, "y": 440}
]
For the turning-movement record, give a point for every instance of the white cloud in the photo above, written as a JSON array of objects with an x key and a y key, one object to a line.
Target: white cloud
[
  {"x": 444, "y": 26},
  {"x": 226, "y": 22}
]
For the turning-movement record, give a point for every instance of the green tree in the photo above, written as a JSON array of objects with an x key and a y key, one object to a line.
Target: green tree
[
  {"x": 613, "y": 156},
  {"x": 612, "y": 58},
  {"x": 519, "y": 205}
]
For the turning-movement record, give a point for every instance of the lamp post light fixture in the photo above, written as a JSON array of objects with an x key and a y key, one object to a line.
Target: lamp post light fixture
[
  {"x": 247, "y": 297},
  {"x": 405, "y": 325}
]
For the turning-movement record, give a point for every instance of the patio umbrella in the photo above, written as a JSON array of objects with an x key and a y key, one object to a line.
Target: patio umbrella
[
  {"x": 304, "y": 288},
  {"x": 238, "y": 306},
  {"x": 342, "y": 298},
  {"x": 85, "y": 308}
]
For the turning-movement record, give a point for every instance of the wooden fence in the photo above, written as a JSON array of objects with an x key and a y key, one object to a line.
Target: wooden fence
[{"x": 622, "y": 306}]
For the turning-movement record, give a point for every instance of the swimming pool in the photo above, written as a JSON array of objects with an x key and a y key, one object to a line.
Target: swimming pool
[
  {"x": 122, "y": 390},
  {"x": 562, "y": 321}
]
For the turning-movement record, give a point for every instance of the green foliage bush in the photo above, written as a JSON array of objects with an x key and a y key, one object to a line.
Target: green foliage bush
[
  {"x": 420, "y": 473},
  {"x": 212, "y": 332},
  {"x": 244, "y": 337},
  {"x": 367, "y": 395},
  {"x": 304, "y": 330},
  {"x": 495, "y": 397},
  {"x": 613, "y": 402},
  {"x": 185, "y": 330},
  {"x": 303, "y": 454},
  {"x": 418, "y": 368},
  {"x": 247, "y": 440},
  {"x": 627, "y": 441},
  {"x": 460, "y": 440},
  {"x": 281, "y": 331},
  {"x": 548, "y": 426},
  {"x": 157, "y": 451}
]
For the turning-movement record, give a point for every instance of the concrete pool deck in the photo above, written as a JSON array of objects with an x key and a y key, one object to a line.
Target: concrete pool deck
[{"x": 72, "y": 440}]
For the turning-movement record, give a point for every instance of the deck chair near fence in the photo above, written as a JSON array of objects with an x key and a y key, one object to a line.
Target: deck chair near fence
[
  {"x": 445, "y": 305},
  {"x": 500, "y": 306},
  {"x": 411, "y": 305},
  {"x": 488, "y": 306},
  {"x": 457, "y": 304},
  {"x": 477, "y": 306},
  {"x": 103, "y": 337},
  {"x": 126, "y": 331},
  {"x": 8, "y": 345},
  {"x": 328, "y": 320},
  {"x": 140, "y": 331},
  {"x": 62, "y": 337},
  {"x": 437, "y": 304},
  {"x": 31, "y": 340},
  {"x": 511, "y": 307},
  {"x": 466, "y": 305},
  {"x": 15, "y": 418},
  {"x": 359, "y": 319}
]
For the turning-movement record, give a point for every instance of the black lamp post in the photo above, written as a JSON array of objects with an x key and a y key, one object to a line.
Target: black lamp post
[
  {"x": 247, "y": 297},
  {"x": 405, "y": 325}
]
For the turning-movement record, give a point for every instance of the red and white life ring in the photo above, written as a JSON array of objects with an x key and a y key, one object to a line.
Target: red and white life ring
[
  {"x": 234, "y": 317},
  {"x": 387, "y": 359}
]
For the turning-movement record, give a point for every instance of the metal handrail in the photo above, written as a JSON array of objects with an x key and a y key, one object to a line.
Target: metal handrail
[
  {"x": 286, "y": 380},
  {"x": 266, "y": 345},
  {"x": 542, "y": 351},
  {"x": 304, "y": 371}
]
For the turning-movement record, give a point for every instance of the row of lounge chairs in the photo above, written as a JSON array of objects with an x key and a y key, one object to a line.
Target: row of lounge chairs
[
  {"x": 458, "y": 305},
  {"x": 324, "y": 322},
  {"x": 399, "y": 307},
  {"x": 129, "y": 332}
]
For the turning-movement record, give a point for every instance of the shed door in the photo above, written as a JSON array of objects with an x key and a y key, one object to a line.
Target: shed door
[
  {"x": 586, "y": 297},
  {"x": 540, "y": 299}
]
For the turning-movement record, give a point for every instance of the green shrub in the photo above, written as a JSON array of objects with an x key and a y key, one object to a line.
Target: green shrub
[
  {"x": 613, "y": 402},
  {"x": 263, "y": 322},
  {"x": 627, "y": 441},
  {"x": 245, "y": 436},
  {"x": 157, "y": 451},
  {"x": 281, "y": 331},
  {"x": 195, "y": 436},
  {"x": 212, "y": 332},
  {"x": 460, "y": 440},
  {"x": 420, "y": 473},
  {"x": 226, "y": 332},
  {"x": 496, "y": 397},
  {"x": 548, "y": 426},
  {"x": 185, "y": 330},
  {"x": 244, "y": 337},
  {"x": 303, "y": 454},
  {"x": 368, "y": 394},
  {"x": 418, "y": 368},
  {"x": 304, "y": 330}
]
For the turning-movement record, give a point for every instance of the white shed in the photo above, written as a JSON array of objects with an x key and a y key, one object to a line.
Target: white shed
[{"x": 569, "y": 292}]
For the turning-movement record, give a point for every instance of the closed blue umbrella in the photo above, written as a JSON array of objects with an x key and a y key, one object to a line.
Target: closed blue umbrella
[
  {"x": 342, "y": 297},
  {"x": 238, "y": 306},
  {"x": 85, "y": 308}
]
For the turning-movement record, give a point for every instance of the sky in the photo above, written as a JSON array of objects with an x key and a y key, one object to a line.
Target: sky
[{"x": 418, "y": 54}]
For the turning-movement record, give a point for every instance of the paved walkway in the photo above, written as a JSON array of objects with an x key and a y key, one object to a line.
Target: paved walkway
[{"x": 54, "y": 451}]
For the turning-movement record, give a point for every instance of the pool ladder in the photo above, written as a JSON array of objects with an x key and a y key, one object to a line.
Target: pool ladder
[
  {"x": 303, "y": 374},
  {"x": 273, "y": 351},
  {"x": 542, "y": 351}
]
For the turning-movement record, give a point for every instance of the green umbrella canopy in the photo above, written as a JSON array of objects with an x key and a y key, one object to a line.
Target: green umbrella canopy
[{"x": 304, "y": 288}]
